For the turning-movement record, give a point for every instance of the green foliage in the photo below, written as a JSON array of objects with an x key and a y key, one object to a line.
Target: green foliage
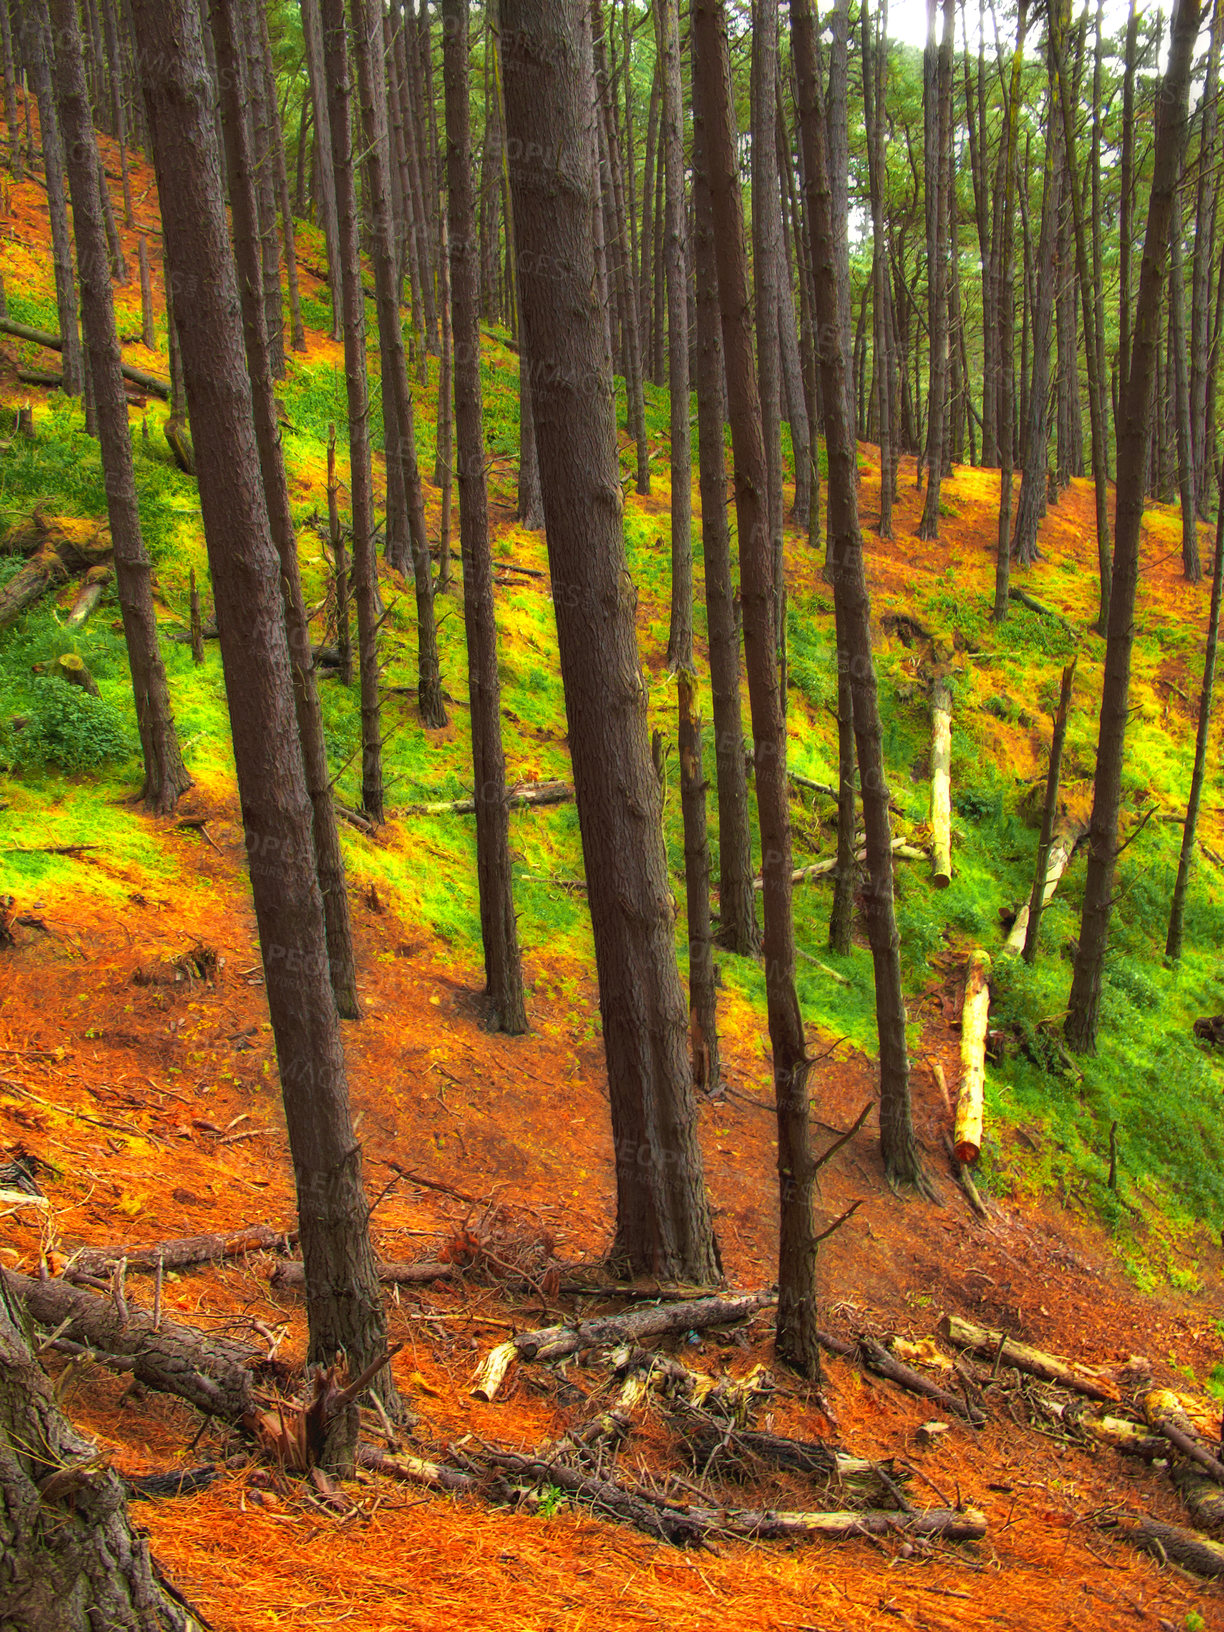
[{"x": 66, "y": 728}]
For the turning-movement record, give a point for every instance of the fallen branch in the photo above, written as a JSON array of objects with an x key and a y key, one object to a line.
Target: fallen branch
[
  {"x": 901, "y": 848},
  {"x": 1035, "y": 1362},
  {"x": 213, "y": 1374},
  {"x": 1164, "y": 1413},
  {"x": 52, "y": 342},
  {"x": 1203, "y": 1498},
  {"x": 878, "y": 1359},
  {"x": 416, "y": 1470},
  {"x": 1022, "y": 598},
  {"x": 536, "y": 793},
  {"x": 182, "y": 1253},
  {"x": 1062, "y": 847},
  {"x": 292, "y": 1272},
  {"x": 1172, "y": 1545},
  {"x": 735, "y": 1453}
]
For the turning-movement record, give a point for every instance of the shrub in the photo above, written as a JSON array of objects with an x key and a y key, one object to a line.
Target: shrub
[{"x": 66, "y": 727}]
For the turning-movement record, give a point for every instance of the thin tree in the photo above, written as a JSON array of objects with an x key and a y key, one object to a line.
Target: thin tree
[
  {"x": 1192, "y": 567},
  {"x": 938, "y": 186},
  {"x": 738, "y": 929},
  {"x": 875, "y": 80},
  {"x": 344, "y": 1306},
  {"x": 899, "y": 1148},
  {"x": 397, "y": 399},
  {"x": 498, "y": 926},
  {"x": 325, "y": 182},
  {"x": 663, "y": 1225},
  {"x": 1185, "y": 862},
  {"x": 227, "y": 23},
  {"x": 767, "y": 264},
  {"x": 796, "y": 1337},
  {"x": 165, "y": 776},
  {"x": 1007, "y": 320},
  {"x": 1170, "y": 138},
  {"x": 680, "y": 631}
]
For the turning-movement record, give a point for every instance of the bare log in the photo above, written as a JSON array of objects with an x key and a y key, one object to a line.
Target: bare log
[
  {"x": 1067, "y": 835},
  {"x": 492, "y": 1373},
  {"x": 949, "y": 1524},
  {"x": 1035, "y": 1362},
  {"x": 52, "y": 342},
  {"x": 743, "y": 1453},
  {"x": 96, "y": 580},
  {"x": 56, "y": 548},
  {"x": 527, "y": 793},
  {"x": 1171, "y": 1544},
  {"x": 1022, "y": 598},
  {"x": 878, "y": 1359},
  {"x": 1203, "y": 1498},
  {"x": 291, "y": 1272},
  {"x": 605, "y": 1331},
  {"x": 418, "y": 1470},
  {"x": 941, "y": 785},
  {"x": 181, "y": 1253},
  {"x": 1165, "y": 1414},
  {"x": 210, "y": 1373},
  {"x": 901, "y": 848},
  {"x": 971, "y": 1100}
]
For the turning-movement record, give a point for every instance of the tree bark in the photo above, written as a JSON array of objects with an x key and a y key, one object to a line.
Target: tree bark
[
  {"x": 663, "y": 1217},
  {"x": 1192, "y": 567},
  {"x": 343, "y": 1303},
  {"x": 498, "y": 925},
  {"x": 325, "y": 178},
  {"x": 280, "y": 177},
  {"x": 1084, "y": 1004},
  {"x": 1037, "y": 897},
  {"x": 165, "y": 776},
  {"x": 898, "y": 1144},
  {"x": 1007, "y": 338},
  {"x": 329, "y": 859},
  {"x": 938, "y": 184},
  {"x": 680, "y": 631},
  {"x": 766, "y": 281},
  {"x": 796, "y": 1342}
]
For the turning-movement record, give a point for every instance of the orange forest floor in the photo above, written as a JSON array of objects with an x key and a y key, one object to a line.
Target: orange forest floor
[{"x": 157, "y": 1102}]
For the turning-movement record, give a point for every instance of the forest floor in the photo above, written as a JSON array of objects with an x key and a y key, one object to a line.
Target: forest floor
[{"x": 152, "y": 1094}]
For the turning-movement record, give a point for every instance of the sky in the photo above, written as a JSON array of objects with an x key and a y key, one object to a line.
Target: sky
[{"x": 907, "y": 19}]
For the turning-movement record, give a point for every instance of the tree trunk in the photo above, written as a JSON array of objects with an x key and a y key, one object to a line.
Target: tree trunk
[
  {"x": 1084, "y": 1003},
  {"x": 70, "y": 1560},
  {"x": 397, "y": 400},
  {"x": 444, "y": 439},
  {"x": 498, "y": 926},
  {"x": 796, "y": 1341},
  {"x": 1007, "y": 316},
  {"x": 280, "y": 177},
  {"x": 897, "y": 1141},
  {"x": 703, "y": 1010},
  {"x": 1126, "y": 207},
  {"x": 262, "y": 117},
  {"x": 680, "y": 631},
  {"x": 738, "y": 930},
  {"x": 841, "y": 916},
  {"x": 227, "y": 36},
  {"x": 938, "y": 182},
  {"x": 36, "y": 50},
  {"x": 165, "y": 776},
  {"x": 1037, "y": 896},
  {"x": 1192, "y": 567},
  {"x": 663, "y": 1217},
  {"x": 1177, "y": 908},
  {"x": 875, "y": 82},
  {"x": 325, "y": 176},
  {"x": 1204, "y": 257},
  {"x": 343, "y": 1302},
  {"x": 766, "y": 280}
]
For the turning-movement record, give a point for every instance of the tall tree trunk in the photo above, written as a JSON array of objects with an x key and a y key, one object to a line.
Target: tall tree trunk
[
  {"x": 444, "y": 440},
  {"x": 36, "y": 52},
  {"x": 1126, "y": 206},
  {"x": 738, "y": 930},
  {"x": 227, "y": 20},
  {"x": 663, "y": 1216},
  {"x": 164, "y": 774},
  {"x": 875, "y": 70},
  {"x": 263, "y": 118},
  {"x": 325, "y": 177},
  {"x": 766, "y": 280},
  {"x": 361, "y": 481},
  {"x": 1084, "y": 1004},
  {"x": 796, "y": 1339},
  {"x": 280, "y": 176},
  {"x": 12, "y": 121},
  {"x": 72, "y": 1562},
  {"x": 344, "y": 1306},
  {"x": 937, "y": 182},
  {"x": 397, "y": 400},
  {"x": 794, "y": 389},
  {"x": 902, "y": 1164},
  {"x": 530, "y": 507},
  {"x": 117, "y": 110},
  {"x": 1204, "y": 257},
  {"x": 498, "y": 927},
  {"x": 1007, "y": 310},
  {"x": 1185, "y": 862},
  {"x": 1192, "y": 566},
  {"x": 680, "y": 631}
]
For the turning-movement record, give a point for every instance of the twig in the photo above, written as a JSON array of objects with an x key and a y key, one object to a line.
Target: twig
[{"x": 845, "y": 1138}]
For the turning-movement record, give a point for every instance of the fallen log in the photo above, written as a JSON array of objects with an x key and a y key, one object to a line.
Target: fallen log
[
  {"x": 735, "y": 1453},
  {"x": 1126, "y": 1437},
  {"x": 1035, "y": 1362},
  {"x": 950, "y": 1524},
  {"x": 658, "y": 1519},
  {"x": 1164, "y": 1413},
  {"x": 1022, "y": 598},
  {"x": 1171, "y": 1544},
  {"x": 1203, "y": 1498},
  {"x": 878, "y": 1359},
  {"x": 901, "y": 848},
  {"x": 971, "y": 1098},
  {"x": 941, "y": 785},
  {"x": 418, "y": 1470},
  {"x": 181, "y": 1253},
  {"x": 96, "y": 580},
  {"x": 1067, "y": 836},
  {"x": 56, "y": 549},
  {"x": 52, "y": 342},
  {"x": 292, "y": 1272},
  {"x": 532, "y": 793},
  {"x": 211, "y": 1373},
  {"x": 1041, "y": 871}
]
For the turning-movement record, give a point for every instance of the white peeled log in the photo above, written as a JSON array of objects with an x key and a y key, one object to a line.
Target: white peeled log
[
  {"x": 970, "y": 1102},
  {"x": 1062, "y": 847},
  {"x": 492, "y": 1373},
  {"x": 941, "y": 785}
]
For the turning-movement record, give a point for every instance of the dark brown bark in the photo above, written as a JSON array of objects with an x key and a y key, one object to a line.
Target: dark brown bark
[
  {"x": 444, "y": 439},
  {"x": 325, "y": 180},
  {"x": 897, "y": 1141},
  {"x": 148, "y": 331},
  {"x": 280, "y": 178},
  {"x": 530, "y": 507},
  {"x": 340, "y": 572},
  {"x": 875, "y": 82},
  {"x": 262, "y": 118},
  {"x": 1126, "y": 206},
  {"x": 165, "y": 776},
  {"x": 397, "y": 399},
  {"x": 1007, "y": 315},
  {"x": 12, "y": 120},
  {"x": 938, "y": 147},
  {"x": 703, "y": 1011},
  {"x": 361, "y": 481},
  {"x": 796, "y": 1340},
  {"x": 841, "y": 915},
  {"x": 1206, "y": 202},
  {"x": 680, "y": 631},
  {"x": 1177, "y": 907},
  {"x": 766, "y": 278},
  {"x": 343, "y": 1303},
  {"x": 70, "y": 1560},
  {"x": 498, "y": 927},
  {"x": 663, "y": 1217},
  {"x": 1192, "y": 567},
  {"x": 227, "y": 24},
  {"x": 1084, "y": 1002},
  {"x": 738, "y": 930},
  {"x": 35, "y": 39}
]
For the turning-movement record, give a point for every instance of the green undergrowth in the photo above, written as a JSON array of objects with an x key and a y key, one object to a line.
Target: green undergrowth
[{"x": 70, "y": 765}]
